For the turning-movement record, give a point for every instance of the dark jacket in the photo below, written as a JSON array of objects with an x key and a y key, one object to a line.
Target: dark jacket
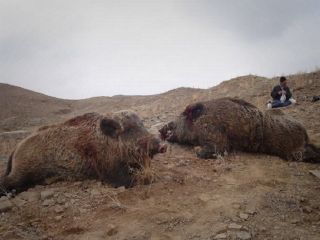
[{"x": 275, "y": 93}]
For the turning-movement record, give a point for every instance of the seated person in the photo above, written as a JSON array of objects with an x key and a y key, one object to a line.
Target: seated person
[{"x": 281, "y": 95}]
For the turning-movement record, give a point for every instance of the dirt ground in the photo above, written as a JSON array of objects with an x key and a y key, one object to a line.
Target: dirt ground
[{"x": 242, "y": 196}]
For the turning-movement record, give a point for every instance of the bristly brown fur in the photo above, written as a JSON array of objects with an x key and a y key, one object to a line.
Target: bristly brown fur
[
  {"x": 241, "y": 102},
  {"x": 76, "y": 121},
  {"x": 231, "y": 124},
  {"x": 78, "y": 149}
]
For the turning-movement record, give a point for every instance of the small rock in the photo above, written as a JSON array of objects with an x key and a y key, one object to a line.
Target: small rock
[
  {"x": 251, "y": 208},
  {"x": 204, "y": 197},
  {"x": 46, "y": 194},
  {"x": 262, "y": 229},
  {"x": 68, "y": 195},
  {"x": 315, "y": 173},
  {"x": 315, "y": 206},
  {"x": 251, "y": 211},
  {"x": 111, "y": 230},
  {"x": 182, "y": 163},
  {"x": 167, "y": 178},
  {"x": 307, "y": 209},
  {"x": 219, "y": 228},
  {"x": 236, "y": 206},
  {"x": 294, "y": 221},
  {"x": 235, "y": 219},
  {"x": 5, "y": 206},
  {"x": 30, "y": 196},
  {"x": 221, "y": 236},
  {"x": 242, "y": 235},
  {"x": 58, "y": 218},
  {"x": 77, "y": 183},
  {"x": 121, "y": 189},
  {"x": 292, "y": 164},
  {"x": 234, "y": 226},
  {"x": 95, "y": 192},
  {"x": 61, "y": 200},
  {"x": 83, "y": 210},
  {"x": 18, "y": 201},
  {"x": 115, "y": 205},
  {"x": 244, "y": 216},
  {"x": 47, "y": 202},
  {"x": 58, "y": 209},
  {"x": 187, "y": 216}
]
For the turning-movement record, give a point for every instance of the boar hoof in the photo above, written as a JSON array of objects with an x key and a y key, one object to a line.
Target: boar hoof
[{"x": 205, "y": 153}]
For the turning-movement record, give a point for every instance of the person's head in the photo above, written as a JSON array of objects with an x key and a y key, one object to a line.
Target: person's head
[{"x": 283, "y": 81}]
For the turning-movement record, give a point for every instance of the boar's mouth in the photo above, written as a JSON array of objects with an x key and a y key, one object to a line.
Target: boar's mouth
[
  {"x": 168, "y": 132},
  {"x": 170, "y": 136},
  {"x": 150, "y": 146}
]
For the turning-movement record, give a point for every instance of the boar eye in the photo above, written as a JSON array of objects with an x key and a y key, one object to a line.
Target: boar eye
[
  {"x": 193, "y": 111},
  {"x": 171, "y": 125},
  {"x": 110, "y": 127}
]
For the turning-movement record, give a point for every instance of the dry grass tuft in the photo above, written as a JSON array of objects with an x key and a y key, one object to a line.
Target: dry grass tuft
[{"x": 144, "y": 176}]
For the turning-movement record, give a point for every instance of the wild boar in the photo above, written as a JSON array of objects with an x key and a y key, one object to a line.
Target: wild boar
[
  {"x": 111, "y": 148},
  {"x": 230, "y": 124}
]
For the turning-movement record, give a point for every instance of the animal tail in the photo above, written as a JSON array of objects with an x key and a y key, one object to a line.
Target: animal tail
[
  {"x": 3, "y": 187},
  {"x": 311, "y": 154}
]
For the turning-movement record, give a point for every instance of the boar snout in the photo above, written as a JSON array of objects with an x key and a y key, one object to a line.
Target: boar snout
[
  {"x": 162, "y": 148},
  {"x": 167, "y": 131}
]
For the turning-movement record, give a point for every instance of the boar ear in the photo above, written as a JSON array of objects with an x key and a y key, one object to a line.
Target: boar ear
[
  {"x": 193, "y": 111},
  {"x": 110, "y": 127}
]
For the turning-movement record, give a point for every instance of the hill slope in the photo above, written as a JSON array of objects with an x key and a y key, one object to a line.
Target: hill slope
[{"x": 22, "y": 108}]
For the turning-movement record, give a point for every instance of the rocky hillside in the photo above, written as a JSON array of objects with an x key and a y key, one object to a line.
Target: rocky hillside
[{"x": 22, "y": 108}]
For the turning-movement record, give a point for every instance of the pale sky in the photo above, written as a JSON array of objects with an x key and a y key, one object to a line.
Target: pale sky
[{"x": 78, "y": 49}]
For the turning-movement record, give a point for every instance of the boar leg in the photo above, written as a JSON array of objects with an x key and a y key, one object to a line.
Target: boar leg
[
  {"x": 214, "y": 142},
  {"x": 20, "y": 177},
  {"x": 206, "y": 152}
]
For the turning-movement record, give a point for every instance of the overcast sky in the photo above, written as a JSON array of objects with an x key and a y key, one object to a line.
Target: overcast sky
[{"x": 79, "y": 49}]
